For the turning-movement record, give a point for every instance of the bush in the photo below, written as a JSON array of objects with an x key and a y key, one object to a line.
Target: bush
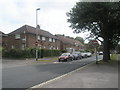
[
  {"x": 48, "y": 53},
  {"x": 29, "y": 53},
  {"x": 11, "y": 53}
]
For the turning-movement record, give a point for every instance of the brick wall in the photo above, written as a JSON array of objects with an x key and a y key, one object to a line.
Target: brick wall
[{"x": 30, "y": 42}]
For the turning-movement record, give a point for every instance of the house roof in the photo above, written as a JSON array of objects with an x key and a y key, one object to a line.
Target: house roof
[
  {"x": 63, "y": 39},
  {"x": 32, "y": 30},
  {"x": 2, "y": 34}
]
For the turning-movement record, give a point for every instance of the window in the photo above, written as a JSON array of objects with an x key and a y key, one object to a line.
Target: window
[
  {"x": 38, "y": 37},
  {"x": 44, "y": 47},
  {"x": 24, "y": 32},
  {"x": 23, "y": 46},
  {"x": 24, "y": 39},
  {"x": 57, "y": 48},
  {"x": 17, "y": 36},
  {"x": 53, "y": 40},
  {"x": 43, "y": 38},
  {"x": 53, "y": 48},
  {"x": 76, "y": 44},
  {"x": 12, "y": 46},
  {"x": 50, "y": 39}
]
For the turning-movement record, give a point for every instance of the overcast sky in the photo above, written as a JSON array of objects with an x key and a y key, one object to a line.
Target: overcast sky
[{"x": 52, "y": 16}]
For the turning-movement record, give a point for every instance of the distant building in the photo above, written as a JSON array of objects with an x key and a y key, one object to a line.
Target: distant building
[{"x": 69, "y": 44}]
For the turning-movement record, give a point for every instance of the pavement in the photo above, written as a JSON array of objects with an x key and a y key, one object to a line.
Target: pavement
[{"x": 102, "y": 75}]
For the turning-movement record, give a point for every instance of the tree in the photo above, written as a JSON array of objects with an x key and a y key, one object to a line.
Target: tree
[
  {"x": 101, "y": 18},
  {"x": 80, "y": 39}
]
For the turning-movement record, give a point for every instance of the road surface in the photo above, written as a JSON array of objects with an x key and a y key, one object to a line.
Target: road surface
[{"x": 26, "y": 76}]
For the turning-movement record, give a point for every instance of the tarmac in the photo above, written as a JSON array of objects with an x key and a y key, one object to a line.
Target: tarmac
[{"x": 102, "y": 75}]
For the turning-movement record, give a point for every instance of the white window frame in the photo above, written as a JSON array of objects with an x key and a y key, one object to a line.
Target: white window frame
[
  {"x": 53, "y": 40},
  {"x": 23, "y": 46},
  {"x": 43, "y": 38},
  {"x": 50, "y": 39},
  {"x": 17, "y": 36},
  {"x": 76, "y": 44},
  {"x": 51, "y": 47},
  {"x": 38, "y": 37},
  {"x": 44, "y": 47},
  {"x": 54, "y": 48},
  {"x": 24, "y": 39},
  {"x": 12, "y": 46}
]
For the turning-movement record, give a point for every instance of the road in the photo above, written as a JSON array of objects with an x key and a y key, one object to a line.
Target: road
[{"x": 26, "y": 76}]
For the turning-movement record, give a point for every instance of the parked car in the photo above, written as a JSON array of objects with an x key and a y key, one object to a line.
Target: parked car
[
  {"x": 65, "y": 57},
  {"x": 77, "y": 55},
  {"x": 84, "y": 55},
  {"x": 89, "y": 54},
  {"x": 100, "y": 53}
]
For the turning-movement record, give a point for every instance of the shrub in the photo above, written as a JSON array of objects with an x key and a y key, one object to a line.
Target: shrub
[
  {"x": 29, "y": 53},
  {"x": 48, "y": 53},
  {"x": 11, "y": 53}
]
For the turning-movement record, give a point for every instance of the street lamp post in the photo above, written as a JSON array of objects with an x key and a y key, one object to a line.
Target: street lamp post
[{"x": 37, "y": 33}]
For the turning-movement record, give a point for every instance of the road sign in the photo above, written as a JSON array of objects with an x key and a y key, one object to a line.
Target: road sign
[
  {"x": 95, "y": 42},
  {"x": 36, "y": 43}
]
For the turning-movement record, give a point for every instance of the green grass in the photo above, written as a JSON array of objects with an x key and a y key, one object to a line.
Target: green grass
[
  {"x": 113, "y": 59},
  {"x": 49, "y": 60}
]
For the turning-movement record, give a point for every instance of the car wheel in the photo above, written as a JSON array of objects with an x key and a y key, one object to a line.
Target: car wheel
[{"x": 67, "y": 60}]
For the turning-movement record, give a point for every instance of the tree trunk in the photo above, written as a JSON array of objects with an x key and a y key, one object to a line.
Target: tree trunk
[{"x": 106, "y": 50}]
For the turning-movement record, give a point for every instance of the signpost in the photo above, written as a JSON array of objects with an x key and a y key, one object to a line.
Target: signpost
[{"x": 95, "y": 42}]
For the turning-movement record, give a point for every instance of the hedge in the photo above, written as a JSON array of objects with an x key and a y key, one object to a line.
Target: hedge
[{"x": 29, "y": 53}]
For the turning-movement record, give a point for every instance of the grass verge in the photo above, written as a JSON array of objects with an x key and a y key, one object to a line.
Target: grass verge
[
  {"x": 113, "y": 59},
  {"x": 49, "y": 59}
]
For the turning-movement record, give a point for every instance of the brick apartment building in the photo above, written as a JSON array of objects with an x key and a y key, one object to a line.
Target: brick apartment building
[
  {"x": 3, "y": 40},
  {"x": 25, "y": 37},
  {"x": 69, "y": 43}
]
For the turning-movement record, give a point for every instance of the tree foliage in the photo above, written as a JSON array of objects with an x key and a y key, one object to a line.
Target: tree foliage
[
  {"x": 80, "y": 39},
  {"x": 102, "y": 19}
]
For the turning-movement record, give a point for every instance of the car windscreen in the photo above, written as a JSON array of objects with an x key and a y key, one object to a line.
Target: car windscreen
[{"x": 64, "y": 55}]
